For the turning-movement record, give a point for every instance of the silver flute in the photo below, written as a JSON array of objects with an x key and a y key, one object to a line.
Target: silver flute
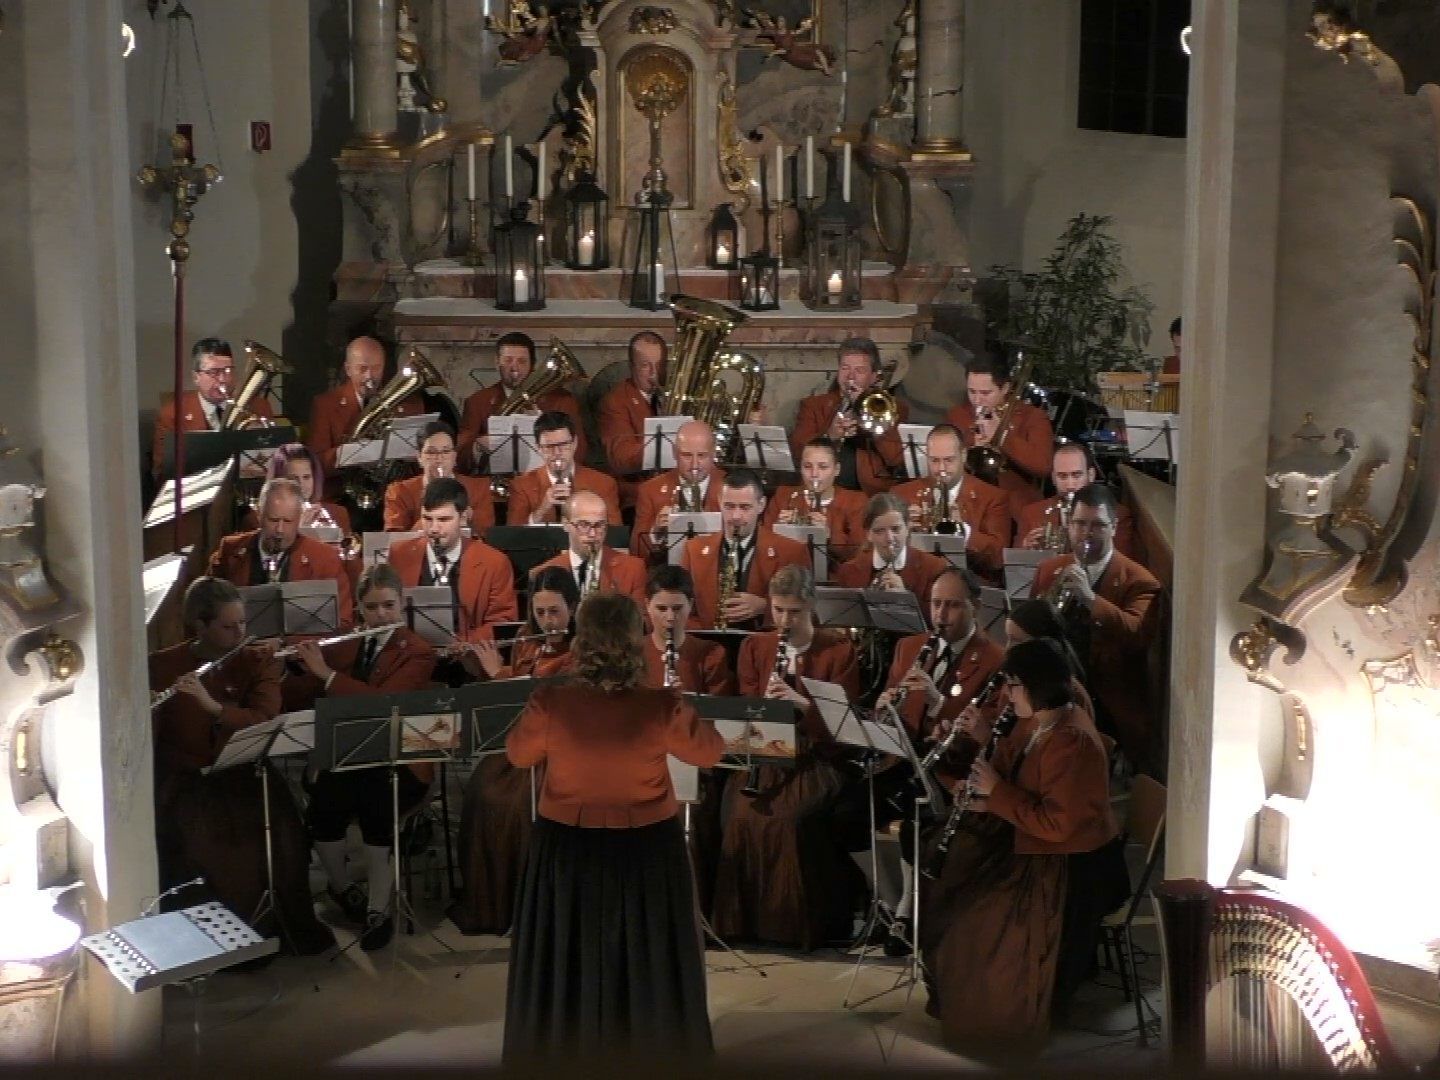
[
  {"x": 353, "y": 635},
  {"x": 156, "y": 700}
]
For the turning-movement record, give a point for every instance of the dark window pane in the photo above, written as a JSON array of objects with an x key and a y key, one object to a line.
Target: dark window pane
[
  {"x": 1129, "y": 113},
  {"x": 1094, "y": 111},
  {"x": 1170, "y": 117},
  {"x": 1132, "y": 21},
  {"x": 1132, "y": 70},
  {"x": 1134, "y": 78},
  {"x": 1172, "y": 71},
  {"x": 1097, "y": 63},
  {"x": 1097, "y": 18}
]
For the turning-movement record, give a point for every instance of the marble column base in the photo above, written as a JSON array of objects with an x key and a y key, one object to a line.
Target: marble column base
[{"x": 374, "y": 208}]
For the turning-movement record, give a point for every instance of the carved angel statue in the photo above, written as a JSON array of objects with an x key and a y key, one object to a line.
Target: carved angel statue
[
  {"x": 22, "y": 566},
  {"x": 530, "y": 36},
  {"x": 414, "y": 90},
  {"x": 788, "y": 45}
]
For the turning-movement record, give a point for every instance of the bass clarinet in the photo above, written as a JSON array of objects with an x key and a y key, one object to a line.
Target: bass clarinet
[{"x": 934, "y": 865}]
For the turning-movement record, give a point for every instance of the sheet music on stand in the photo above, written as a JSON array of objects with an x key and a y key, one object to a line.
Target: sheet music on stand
[
  {"x": 527, "y": 546},
  {"x": 1153, "y": 436},
  {"x": 659, "y": 441},
  {"x": 912, "y": 445},
  {"x": 515, "y": 450},
  {"x": 850, "y": 724},
  {"x": 405, "y": 434},
  {"x": 766, "y": 447},
  {"x": 206, "y": 450},
  {"x": 430, "y": 612},
  {"x": 1020, "y": 566},
  {"x": 280, "y": 736},
  {"x": 374, "y": 730},
  {"x": 362, "y": 452},
  {"x": 683, "y": 526},
  {"x": 158, "y": 577},
  {"x": 177, "y": 945},
  {"x": 375, "y": 546},
  {"x": 326, "y": 534},
  {"x": 949, "y": 547},
  {"x": 895, "y": 611},
  {"x": 201, "y": 488},
  {"x": 991, "y": 611},
  {"x": 816, "y": 539},
  {"x": 290, "y": 608}
]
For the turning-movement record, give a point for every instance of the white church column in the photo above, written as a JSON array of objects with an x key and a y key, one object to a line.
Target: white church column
[
  {"x": 939, "y": 75},
  {"x": 372, "y": 43},
  {"x": 1234, "y": 159},
  {"x": 73, "y": 408}
]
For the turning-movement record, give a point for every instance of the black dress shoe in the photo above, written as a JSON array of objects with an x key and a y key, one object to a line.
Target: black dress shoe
[
  {"x": 898, "y": 941},
  {"x": 351, "y": 902},
  {"x": 379, "y": 929}
]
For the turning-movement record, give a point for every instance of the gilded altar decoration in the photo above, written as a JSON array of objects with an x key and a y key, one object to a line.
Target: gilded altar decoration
[
  {"x": 1333, "y": 30},
  {"x": 579, "y": 152},
  {"x": 1304, "y": 560},
  {"x": 657, "y": 83},
  {"x": 652, "y": 21},
  {"x": 1381, "y": 573},
  {"x": 526, "y": 32},
  {"x": 1251, "y": 649},
  {"x": 735, "y": 166},
  {"x": 795, "y": 47}
]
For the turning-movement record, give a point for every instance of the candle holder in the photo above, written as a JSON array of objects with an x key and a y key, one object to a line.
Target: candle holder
[
  {"x": 780, "y": 232},
  {"x": 474, "y": 251},
  {"x": 832, "y": 252},
  {"x": 657, "y": 86},
  {"x": 760, "y": 282},
  {"x": 519, "y": 262},
  {"x": 587, "y": 226},
  {"x": 723, "y": 239}
]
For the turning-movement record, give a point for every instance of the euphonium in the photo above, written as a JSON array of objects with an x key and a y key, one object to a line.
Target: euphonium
[
  {"x": 416, "y": 373},
  {"x": 695, "y": 375},
  {"x": 988, "y": 462},
  {"x": 547, "y": 376},
  {"x": 877, "y": 411},
  {"x": 262, "y": 365},
  {"x": 729, "y": 581}
]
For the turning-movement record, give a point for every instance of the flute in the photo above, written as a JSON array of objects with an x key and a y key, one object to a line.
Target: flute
[
  {"x": 353, "y": 635},
  {"x": 156, "y": 700}
]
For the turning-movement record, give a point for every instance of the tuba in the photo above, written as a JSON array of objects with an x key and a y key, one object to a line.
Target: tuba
[
  {"x": 547, "y": 376},
  {"x": 262, "y": 365},
  {"x": 988, "y": 462},
  {"x": 416, "y": 373},
  {"x": 695, "y": 376}
]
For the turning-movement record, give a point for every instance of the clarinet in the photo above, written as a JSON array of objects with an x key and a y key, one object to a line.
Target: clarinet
[
  {"x": 935, "y": 864},
  {"x": 752, "y": 778},
  {"x": 984, "y": 694},
  {"x": 672, "y": 662},
  {"x": 922, "y": 661}
]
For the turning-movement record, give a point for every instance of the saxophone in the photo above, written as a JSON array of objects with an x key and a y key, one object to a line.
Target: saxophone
[
  {"x": 729, "y": 581},
  {"x": 934, "y": 864}
]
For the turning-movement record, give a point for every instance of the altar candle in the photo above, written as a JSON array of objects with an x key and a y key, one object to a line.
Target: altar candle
[
  {"x": 509, "y": 170},
  {"x": 834, "y": 286},
  {"x": 521, "y": 286},
  {"x": 845, "y": 176},
  {"x": 779, "y": 173},
  {"x": 659, "y": 282},
  {"x": 587, "y": 249},
  {"x": 470, "y": 170},
  {"x": 809, "y": 166},
  {"x": 540, "y": 180},
  {"x": 764, "y": 186},
  {"x": 722, "y": 254}
]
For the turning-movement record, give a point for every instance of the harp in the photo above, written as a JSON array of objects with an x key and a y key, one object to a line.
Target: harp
[{"x": 1257, "y": 983}]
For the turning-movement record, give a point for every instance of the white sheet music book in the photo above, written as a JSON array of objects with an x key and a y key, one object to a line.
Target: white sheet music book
[
  {"x": 364, "y": 452},
  {"x": 949, "y": 547},
  {"x": 375, "y": 546},
  {"x": 991, "y": 611},
  {"x": 1152, "y": 436},
  {"x": 513, "y": 446},
  {"x": 1020, "y": 565},
  {"x": 851, "y": 726},
  {"x": 177, "y": 945},
  {"x": 912, "y": 445},
  {"x": 659, "y": 441},
  {"x": 200, "y": 490},
  {"x": 682, "y": 526},
  {"x": 767, "y": 446},
  {"x": 402, "y": 441},
  {"x": 815, "y": 538}
]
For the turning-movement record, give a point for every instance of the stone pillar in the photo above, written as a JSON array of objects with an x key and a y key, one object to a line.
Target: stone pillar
[
  {"x": 1237, "y": 80},
  {"x": 940, "y": 76},
  {"x": 372, "y": 47},
  {"x": 69, "y": 306}
]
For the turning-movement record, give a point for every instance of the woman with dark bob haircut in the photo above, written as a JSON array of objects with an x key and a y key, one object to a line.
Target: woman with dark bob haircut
[{"x": 992, "y": 925}]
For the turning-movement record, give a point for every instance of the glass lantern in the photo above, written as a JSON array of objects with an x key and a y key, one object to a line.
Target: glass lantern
[
  {"x": 724, "y": 239},
  {"x": 653, "y": 253},
  {"x": 587, "y": 226},
  {"x": 519, "y": 262},
  {"x": 760, "y": 282},
  {"x": 832, "y": 242}
]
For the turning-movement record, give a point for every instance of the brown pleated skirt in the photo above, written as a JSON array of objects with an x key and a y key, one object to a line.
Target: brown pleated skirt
[
  {"x": 783, "y": 876},
  {"x": 495, "y": 826},
  {"x": 214, "y": 826},
  {"x": 990, "y": 939}
]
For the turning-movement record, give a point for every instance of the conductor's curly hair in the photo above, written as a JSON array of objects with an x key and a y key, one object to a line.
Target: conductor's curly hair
[{"x": 607, "y": 645}]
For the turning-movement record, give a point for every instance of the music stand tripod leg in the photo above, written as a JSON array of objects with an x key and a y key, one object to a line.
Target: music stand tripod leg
[
  {"x": 268, "y": 903},
  {"x": 873, "y": 915},
  {"x": 705, "y": 926},
  {"x": 403, "y": 908}
]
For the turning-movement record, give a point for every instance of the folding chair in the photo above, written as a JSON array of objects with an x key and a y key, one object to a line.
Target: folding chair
[{"x": 1144, "y": 825}]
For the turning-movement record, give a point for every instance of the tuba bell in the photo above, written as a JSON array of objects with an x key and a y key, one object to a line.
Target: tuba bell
[
  {"x": 416, "y": 373},
  {"x": 695, "y": 376},
  {"x": 261, "y": 365},
  {"x": 547, "y": 376}
]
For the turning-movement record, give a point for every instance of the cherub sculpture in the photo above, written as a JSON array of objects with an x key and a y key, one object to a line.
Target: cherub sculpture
[
  {"x": 530, "y": 36},
  {"x": 785, "y": 43}
]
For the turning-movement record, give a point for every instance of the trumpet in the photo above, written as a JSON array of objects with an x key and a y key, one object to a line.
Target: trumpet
[
  {"x": 934, "y": 865},
  {"x": 353, "y": 635},
  {"x": 156, "y": 700},
  {"x": 565, "y": 475}
]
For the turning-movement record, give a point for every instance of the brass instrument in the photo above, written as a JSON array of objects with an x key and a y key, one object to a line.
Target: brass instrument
[
  {"x": 1057, "y": 524},
  {"x": 729, "y": 581},
  {"x": 592, "y": 579},
  {"x": 547, "y": 376},
  {"x": 672, "y": 661},
  {"x": 695, "y": 375},
  {"x": 934, "y": 508},
  {"x": 877, "y": 411},
  {"x": 988, "y": 462},
  {"x": 1062, "y": 594},
  {"x": 156, "y": 700},
  {"x": 688, "y": 499},
  {"x": 366, "y": 484},
  {"x": 566, "y": 476},
  {"x": 934, "y": 864},
  {"x": 353, "y": 635},
  {"x": 262, "y": 365}
]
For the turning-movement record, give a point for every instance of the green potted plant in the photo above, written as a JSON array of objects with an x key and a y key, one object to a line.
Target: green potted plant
[{"x": 1073, "y": 313}]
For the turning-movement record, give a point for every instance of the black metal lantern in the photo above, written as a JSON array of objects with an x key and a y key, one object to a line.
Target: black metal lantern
[
  {"x": 587, "y": 226},
  {"x": 760, "y": 282},
  {"x": 654, "y": 253},
  {"x": 724, "y": 239},
  {"x": 519, "y": 262},
  {"x": 832, "y": 242}
]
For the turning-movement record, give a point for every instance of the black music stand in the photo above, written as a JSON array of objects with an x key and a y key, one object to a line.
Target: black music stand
[
  {"x": 1020, "y": 567},
  {"x": 766, "y": 448},
  {"x": 816, "y": 539},
  {"x": 514, "y": 450},
  {"x": 658, "y": 442},
  {"x": 430, "y": 612},
  {"x": 883, "y": 609},
  {"x": 1153, "y": 436},
  {"x": 527, "y": 546},
  {"x": 949, "y": 546},
  {"x": 912, "y": 443},
  {"x": 205, "y": 450},
  {"x": 292, "y": 608},
  {"x": 683, "y": 527},
  {"x": 280, "y": 736},
  {"x": 391, "y": 731}
]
